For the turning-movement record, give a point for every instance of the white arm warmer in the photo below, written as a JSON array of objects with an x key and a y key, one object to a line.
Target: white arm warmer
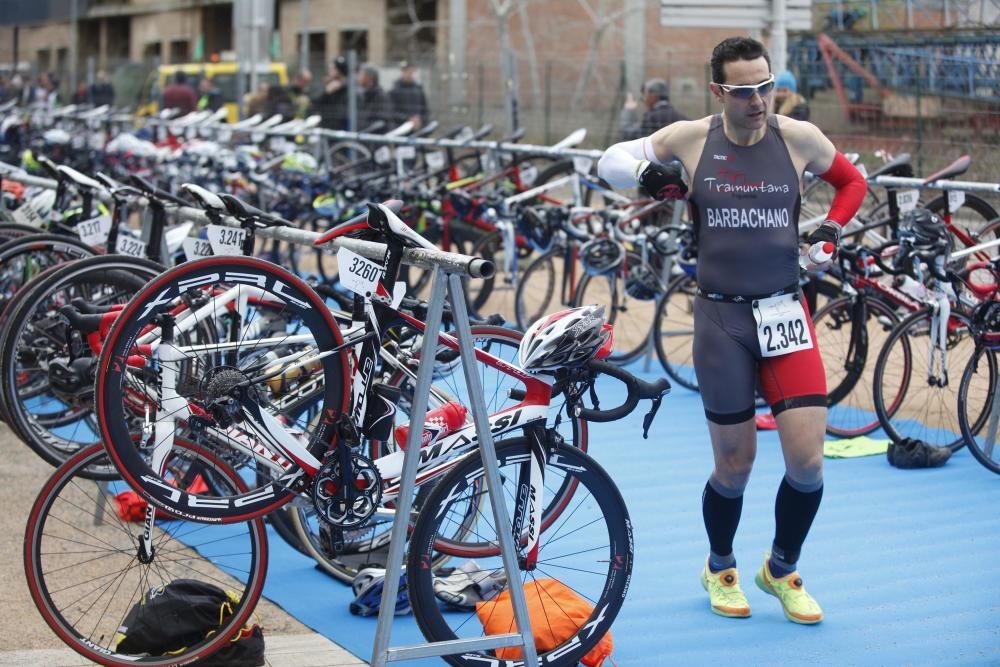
[{"x": 621, "y": 163}]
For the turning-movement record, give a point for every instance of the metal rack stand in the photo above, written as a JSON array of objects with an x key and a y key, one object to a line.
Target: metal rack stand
[{"x": 381, "y": 652}]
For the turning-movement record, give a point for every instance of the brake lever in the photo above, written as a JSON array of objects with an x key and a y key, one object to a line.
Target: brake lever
[
  {"x": 647, "y": 421},
  {"x": 593, "y": 396}
]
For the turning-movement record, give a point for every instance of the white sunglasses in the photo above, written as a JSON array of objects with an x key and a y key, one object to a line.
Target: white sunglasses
[{"x": 745, "y": 92}]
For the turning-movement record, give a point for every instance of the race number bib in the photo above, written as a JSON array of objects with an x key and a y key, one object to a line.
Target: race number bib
[
  {"x": 781, "y": 325},
  {"x": 357, "y": 273}
]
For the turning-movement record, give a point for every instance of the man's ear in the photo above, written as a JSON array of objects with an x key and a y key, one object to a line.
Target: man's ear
[{"x": 716, "y": 91}]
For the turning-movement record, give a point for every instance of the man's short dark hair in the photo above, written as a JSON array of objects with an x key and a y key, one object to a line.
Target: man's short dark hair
[
  {"x": 732, "y": 49},
  {"x": 180, "y": 76}
]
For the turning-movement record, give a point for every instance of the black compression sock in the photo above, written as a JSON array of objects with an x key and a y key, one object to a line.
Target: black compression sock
[
  {"x": 794, "y": 511},
  {"x": 722, "y": 517}
]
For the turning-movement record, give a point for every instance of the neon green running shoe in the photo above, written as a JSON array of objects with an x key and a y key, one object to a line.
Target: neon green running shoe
[
  {"x": 724, "y": 592},
  {"x": 798, "y": 605}
]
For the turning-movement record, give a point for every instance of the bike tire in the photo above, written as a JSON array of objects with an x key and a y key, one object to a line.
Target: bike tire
[
  {"x": 50, "y": 578},
  {"x": 606, "y": 557}
]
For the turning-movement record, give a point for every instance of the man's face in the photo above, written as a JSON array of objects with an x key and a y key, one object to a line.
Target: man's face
[
  {"x": 749, "y": 114},
  {"x": 364, "y": 79},
  {"x": 409, "y": 74}
]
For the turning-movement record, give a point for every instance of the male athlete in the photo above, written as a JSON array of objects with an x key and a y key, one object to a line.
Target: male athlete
[{"x": 750, "y": 321}]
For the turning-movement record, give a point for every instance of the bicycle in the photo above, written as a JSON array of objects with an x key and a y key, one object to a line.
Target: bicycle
[{"x": 227, "y": 409}]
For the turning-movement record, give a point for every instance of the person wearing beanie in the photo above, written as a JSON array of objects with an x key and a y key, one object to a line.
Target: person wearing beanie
[
  {"x": 787, "y": 101},
  {"x": 659, "y": 111}
]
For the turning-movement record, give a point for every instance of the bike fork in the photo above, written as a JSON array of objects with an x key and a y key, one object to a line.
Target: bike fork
[
  {"x": 939, "y": 342},
  {"x": 530, "y": 496}
]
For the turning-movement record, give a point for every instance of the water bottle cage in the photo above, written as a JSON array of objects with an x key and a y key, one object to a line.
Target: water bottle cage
[{"x": 380, "y": 414}]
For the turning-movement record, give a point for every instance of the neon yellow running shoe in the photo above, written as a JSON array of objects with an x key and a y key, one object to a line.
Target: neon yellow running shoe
[
  {"x": 798, "y": 605},
  {"x": 724, "y": 592}
]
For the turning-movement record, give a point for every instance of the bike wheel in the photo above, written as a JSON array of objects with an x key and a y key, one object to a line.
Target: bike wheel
[
  {"x": 48, "y": 377},
  {"x": 536, "y": 291},
  {"x": 21, "y": 259},
  {"x": 848, "y": 348},
  {"x": 674, "y": 331},
  {"x": 632, "y": 317},
  {"x": 911, "y": 399},
  {"x": 264, "y": 362},
  {"x": 494, "y": 295},
  {"x": 85, "y": 572},
  {"x": 979, "y": 408},
  {"x": 588, "y": 548}
]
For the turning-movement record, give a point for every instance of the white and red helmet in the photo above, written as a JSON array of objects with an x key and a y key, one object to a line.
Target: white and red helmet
[{"x": 565, "y": 339}]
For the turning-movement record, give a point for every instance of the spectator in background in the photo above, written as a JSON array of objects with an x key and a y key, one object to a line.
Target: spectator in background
[
  {"x": 373, "y": 104},
  {"x": 331, "y": 104},
  {"x": 209, "y": 96},
  {"x": 300, "y": 93},
  {"x": 256, "y": 100},
  {"x": 407, "y": 97},
  {"x": 16, "y": 88},
  {"x": 787, "y": 101},
  {"x": 82, "y": 95},
  {"x": 279, "y": 101},
  {"x": 101, "y": 91},
  {"x": 659, "y": 111},
  {"x": 51, "y": 91},
  {"x": 179, "y": 95}
]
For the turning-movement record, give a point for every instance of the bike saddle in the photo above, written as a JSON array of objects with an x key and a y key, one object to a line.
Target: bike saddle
[
  {"x": 78, "y": 179},
  {"x": 154, "y": 192},
  {"x": 956, "y": 168},
  {"x": 204, "y": 198},
  {"x": 244, "y": 211},
  {"x": 898, "y": 166}
]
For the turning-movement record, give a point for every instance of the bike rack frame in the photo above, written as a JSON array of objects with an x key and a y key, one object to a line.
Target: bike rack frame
[{"x": 381, "y": 652}]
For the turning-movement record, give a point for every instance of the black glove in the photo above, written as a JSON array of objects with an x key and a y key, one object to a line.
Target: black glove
[
  {"x": 829, "y": 231},
  {"x": 663, "y": 181}
]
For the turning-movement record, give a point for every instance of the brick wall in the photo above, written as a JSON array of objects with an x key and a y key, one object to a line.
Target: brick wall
[
  {"x": 332, "y": 17},
  {"x": 163, "y": 27}
]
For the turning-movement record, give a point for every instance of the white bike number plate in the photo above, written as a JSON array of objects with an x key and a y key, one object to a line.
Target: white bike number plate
[
  {"x": 196, "y": 248},
  {"x": 226, "y": 240},
  {"x": 435, "y": 160},
  {"x": 907, "y": 200},
  {"x": 126, "y": 245},
  {"x": 781, "y": 325},
  {"x": 955, "y": 200},
  {"x": 357, "y": 273},
  {"x": 94, "y": 231},
  {"x": 26, "y": 214}
]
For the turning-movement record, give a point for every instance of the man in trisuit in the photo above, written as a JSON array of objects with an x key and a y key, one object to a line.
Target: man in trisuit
[{"x": 750, "y": 321}]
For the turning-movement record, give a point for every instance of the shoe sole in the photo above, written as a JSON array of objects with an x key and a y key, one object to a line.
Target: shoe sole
[
  {"x": 721, "y": 612},
  {"x": 765, "y": 586}
]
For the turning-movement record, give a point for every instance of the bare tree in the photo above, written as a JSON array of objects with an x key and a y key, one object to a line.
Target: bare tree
[{"x": 602, "y": 19}]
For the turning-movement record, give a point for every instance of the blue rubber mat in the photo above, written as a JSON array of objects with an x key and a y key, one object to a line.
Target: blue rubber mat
[{"x": 904, "y": 562}]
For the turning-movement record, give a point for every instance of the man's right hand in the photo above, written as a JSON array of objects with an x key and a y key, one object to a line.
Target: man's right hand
[{"x": 661, "y": 181}]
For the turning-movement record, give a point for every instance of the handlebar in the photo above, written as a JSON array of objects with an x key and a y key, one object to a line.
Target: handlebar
[
  {"x": 637, "y": 390},
  {"x": 928, "y": 257}
]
